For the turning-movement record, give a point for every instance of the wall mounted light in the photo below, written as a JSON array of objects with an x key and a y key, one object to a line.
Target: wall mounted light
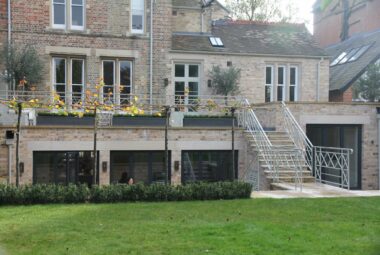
[
  {"x": 209, "y": 83},
  {"x": 104, "y": 166},
  {"x": 9, "y": 134},
  {"x": 176, "y": 165},
  {"x": 166, "y": 82},
  {"x": 21, "y": 164},
  {"x": 229, "y": 63}
]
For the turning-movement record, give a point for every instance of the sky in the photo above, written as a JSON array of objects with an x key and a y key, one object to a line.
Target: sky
[{"x": 304, "y": 13}]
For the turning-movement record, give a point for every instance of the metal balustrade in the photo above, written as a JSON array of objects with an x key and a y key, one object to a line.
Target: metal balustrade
[
  {"x": 332, "y": 166},
  {"x": 329, "y": 165},
  {"x": 275, "y": 157}
]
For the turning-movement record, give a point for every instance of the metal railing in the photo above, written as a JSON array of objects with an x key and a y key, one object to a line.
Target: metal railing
[
  {"x": 298, "y": 136},
  {"x": 276, "y": 158},
  {"x": 332, "y": 166},
  {"x": 328, "y": 164}
]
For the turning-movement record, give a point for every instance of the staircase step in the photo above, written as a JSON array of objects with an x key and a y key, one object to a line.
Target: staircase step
[{"x": 291, "y": 179}]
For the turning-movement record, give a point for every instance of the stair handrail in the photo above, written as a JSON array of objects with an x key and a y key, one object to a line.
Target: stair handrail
[
  {"x": 298, "y": 136},
  {"x": 249, "y": 121}
]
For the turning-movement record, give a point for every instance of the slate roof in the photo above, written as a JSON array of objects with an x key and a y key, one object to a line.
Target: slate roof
[
  {"x": 187, "y": 3},
  {"x": 252, "y": 38},
  {"x": 342, "y": 76}
]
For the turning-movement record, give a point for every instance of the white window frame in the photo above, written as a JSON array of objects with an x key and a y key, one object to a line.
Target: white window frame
[
  {"x": 296, "y": 85},
  {"x": 114, "y": 79},
  {"x": 68, "y": 15},
  {"x": 72, "y": 81},
  {"x": 83, "y": 5},
  {"x": 139, "y": 12},
  {"x": 186, "y": 80},
  {"x": 118, "y": 95},
  {"x": 269, "y": 84},
  {"x": 59, "y": 26},
  {"x": 283, "y": 85}
]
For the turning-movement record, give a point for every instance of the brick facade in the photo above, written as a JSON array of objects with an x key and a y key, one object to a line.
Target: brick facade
[
  {"x": 339, "y": 96},
  {"x": 328, "y": 23}
]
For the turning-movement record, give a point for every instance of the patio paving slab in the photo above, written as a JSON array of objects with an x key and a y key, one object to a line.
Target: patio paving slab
[{"x": 313, "y": 190}]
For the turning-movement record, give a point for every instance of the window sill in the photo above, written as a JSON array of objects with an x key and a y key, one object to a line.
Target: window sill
[{"x": 67, "y": 31}]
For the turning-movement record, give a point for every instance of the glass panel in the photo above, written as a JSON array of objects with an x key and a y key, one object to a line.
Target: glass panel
[
  {"x": 158, "y": 167},
  {"x": 125, "y": 73},
  {"x": 207, "y": 166},
  {"x": 193, "y": 88},
  {"x": 339, "y": 58},
  {"x": 60, "y": 168},
  {"x": 268, "y": 75},
  {"x": 141, "y": 167},
  {"x": 121, "y": 170},
  {"x": 59, "y": 13},
  {"x": 193, "y": 71},
  {"x": 292, "y": 93},
  {"x": 77, "y": 2},
  {"x": 360, "y": 53},
  {"x": 268, "y": 92},
  {"x": 77, "y": 93},
  {"x": 281, "y": 75},
  {"x": 137, "y": 22},
  {"x": 43, "y": 167},
  {"x": 351, "y": 135},
  {"x": 60, "y": 70},
  {"x": 280, "y": 90},
  {"x": 293, "y": 76},
  {"x": 85, "y": 173},
  {"x": 77, "y": 71},
  {"x": 77, "y": 16},
  {"x": 179, "y": 70},
  {"x": 109, "y": 72}
]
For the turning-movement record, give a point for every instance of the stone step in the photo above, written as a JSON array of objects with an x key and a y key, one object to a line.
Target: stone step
[{"x": 291, "y": 179}]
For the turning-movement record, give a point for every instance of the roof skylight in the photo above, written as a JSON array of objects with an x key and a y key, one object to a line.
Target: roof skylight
[
  {"x": 350, "y": 56},
  {"x": 216, "y": 42}
]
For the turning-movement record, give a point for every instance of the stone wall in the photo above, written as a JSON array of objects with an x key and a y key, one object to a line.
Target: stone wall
[
  {"x": 117, "y": 139},
  {"x": 335, "y": 113},
  {"x": 252, "y": 82}
]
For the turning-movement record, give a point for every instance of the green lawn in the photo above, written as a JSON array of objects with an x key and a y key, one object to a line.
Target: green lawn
[{"x": 262, "y": 226}]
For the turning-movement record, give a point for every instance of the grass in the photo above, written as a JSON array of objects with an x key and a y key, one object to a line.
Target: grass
[{"x": 263, "y": 226}]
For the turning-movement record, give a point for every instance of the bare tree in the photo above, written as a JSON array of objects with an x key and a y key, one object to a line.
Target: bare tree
[{"x": 262, "y": 10}]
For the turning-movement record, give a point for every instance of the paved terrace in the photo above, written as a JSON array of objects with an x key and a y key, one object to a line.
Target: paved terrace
[{"x": 313, "y": 190}]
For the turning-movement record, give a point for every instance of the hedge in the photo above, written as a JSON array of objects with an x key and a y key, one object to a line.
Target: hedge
[{"x": 73, "y": 194}]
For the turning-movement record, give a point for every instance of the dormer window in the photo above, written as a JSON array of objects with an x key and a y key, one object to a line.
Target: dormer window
[
  {"x": 216, "y": 42},
  {"x": 137, "y": 17}
]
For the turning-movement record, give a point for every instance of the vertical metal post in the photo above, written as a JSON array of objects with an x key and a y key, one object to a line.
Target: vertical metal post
[
  {"x": 19, "y": 109},
  {"x": 95, "y": 149},
  {"x": 233, "y": 142},
  {"x": 167, "y": 168},
  {"x": 348, "y": 169}
]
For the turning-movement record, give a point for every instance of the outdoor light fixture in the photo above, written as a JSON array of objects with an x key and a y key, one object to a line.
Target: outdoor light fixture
[
  {"x": 104, "y": 166},
  {"x": 176, "y": 165},
  {"x": 21, "y": 164},
  {"x": 209, "y": 82},
  {"x": 166, "y": 82},
  {"x": 229, "y": 63},
  {"x": 9, "y": 135}
]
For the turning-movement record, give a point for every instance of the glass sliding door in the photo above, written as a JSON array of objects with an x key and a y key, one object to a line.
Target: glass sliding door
[
  {"x": 63, "y": 168},
  {"x": 186, "y": 84},
  {"x": 143, "y": 166},
  {"x": 208, "y": 166}
]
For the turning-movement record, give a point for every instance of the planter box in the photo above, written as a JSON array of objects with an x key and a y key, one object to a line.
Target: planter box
[
  {"x": 64, "y": 121},
  {"x": 208, "y": 122},
  {"x": 138, "y": 121}
]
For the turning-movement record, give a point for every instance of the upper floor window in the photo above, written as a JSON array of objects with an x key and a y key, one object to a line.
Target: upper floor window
[
  {"x": 285, "y": 87},
  {"x": 68, "y": 10},
  {"x": 117, "y": 77},
  {"x": 137, "y": 17},
  {"x": 69, "y": 69}
]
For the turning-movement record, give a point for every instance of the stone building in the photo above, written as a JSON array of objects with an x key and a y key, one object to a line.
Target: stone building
[{"x": 162, "y": 51}]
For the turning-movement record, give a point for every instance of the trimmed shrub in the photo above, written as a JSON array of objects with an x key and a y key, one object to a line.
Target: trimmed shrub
[{"x": 72, "y": 194}]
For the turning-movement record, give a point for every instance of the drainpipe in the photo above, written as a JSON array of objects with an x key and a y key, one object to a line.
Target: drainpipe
[
  {"x": 151, "y": 54},
  {"x": 378, "y": 142},
  {"x": 9, "y": 22},
  {"x": 9, "y": 164},
  {"x": 319, "y": 77}
]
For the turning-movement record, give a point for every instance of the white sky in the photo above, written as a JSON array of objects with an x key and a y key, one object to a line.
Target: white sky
[{"x": 304, "y": 11}]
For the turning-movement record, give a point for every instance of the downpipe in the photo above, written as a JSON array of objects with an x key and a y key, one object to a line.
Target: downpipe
[
  {"x": 319, "y": 78},
  {"x": 151, "y": 53}
]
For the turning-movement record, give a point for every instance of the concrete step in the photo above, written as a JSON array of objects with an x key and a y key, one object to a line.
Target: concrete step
[{"x": 290, "y": 179}]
